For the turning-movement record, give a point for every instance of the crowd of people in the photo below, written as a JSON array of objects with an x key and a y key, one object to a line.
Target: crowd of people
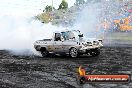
[{"x": 116, "y": 16}]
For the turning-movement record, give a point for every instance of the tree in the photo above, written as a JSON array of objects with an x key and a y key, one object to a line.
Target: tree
[
  {"x": 78, "y": 2},
  {"x": 63, "y": 5},
  {"x": 48, "y": 8}
]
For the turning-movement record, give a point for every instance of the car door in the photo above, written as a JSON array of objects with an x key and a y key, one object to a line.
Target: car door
[
  {"x": 58, "y": 46},
  {"x": 50, "y": 46},
  {"x": 58, "y": 43},
  {"x": 66, "y": 45}
]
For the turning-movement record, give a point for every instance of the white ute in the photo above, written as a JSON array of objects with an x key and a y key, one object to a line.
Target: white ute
[{"x": 68, "y": 42}]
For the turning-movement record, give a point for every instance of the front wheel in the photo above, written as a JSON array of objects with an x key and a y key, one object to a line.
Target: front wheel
[
  {"x": 73, "y": 52},
  {"x": 44, "y": 53}
]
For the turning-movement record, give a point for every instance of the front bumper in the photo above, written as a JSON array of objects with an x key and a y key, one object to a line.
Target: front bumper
[{"x": 88, "y": 48}]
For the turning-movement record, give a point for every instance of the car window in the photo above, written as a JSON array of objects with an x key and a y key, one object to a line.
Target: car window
[
  {"x": 57, "y": 37},
  {"x": 68, "y": 35}
]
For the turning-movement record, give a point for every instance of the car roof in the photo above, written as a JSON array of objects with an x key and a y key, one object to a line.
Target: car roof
[{"x": 65, "y": 31}]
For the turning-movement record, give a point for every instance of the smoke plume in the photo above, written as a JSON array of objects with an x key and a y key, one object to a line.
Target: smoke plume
[{"x": 18, "y": 33}]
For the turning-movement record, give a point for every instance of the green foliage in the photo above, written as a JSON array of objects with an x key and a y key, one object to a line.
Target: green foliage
[
  {"x": 63, "y": 5},
  {"x": 48, "y": 8},
  {"x": 78, "y": 2},
  {"x": 45, "y": 17}
]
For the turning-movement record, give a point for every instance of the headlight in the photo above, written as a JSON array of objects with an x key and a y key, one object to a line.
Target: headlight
[{"x": 95, "y": 43}]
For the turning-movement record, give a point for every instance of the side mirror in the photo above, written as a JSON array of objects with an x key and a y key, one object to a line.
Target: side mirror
[{"x": 62, "y": 39}]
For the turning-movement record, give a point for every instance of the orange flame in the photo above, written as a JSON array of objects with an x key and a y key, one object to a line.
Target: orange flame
[{"x": 82, "y": 71}]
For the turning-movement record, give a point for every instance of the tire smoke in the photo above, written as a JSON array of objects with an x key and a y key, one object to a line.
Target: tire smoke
[{"x": 18, "y": 33}]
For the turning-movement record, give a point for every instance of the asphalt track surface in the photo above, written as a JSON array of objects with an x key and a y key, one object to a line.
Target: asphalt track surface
[{"x": 17, "y": 71}]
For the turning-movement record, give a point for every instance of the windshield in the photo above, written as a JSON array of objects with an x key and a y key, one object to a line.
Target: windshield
[
  {"x": 68, "y": 35},
  {"x": 71, "y": 35},
  {"x": 77, "y": 33}
]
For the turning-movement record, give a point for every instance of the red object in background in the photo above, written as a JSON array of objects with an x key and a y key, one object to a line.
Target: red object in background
[
  {"x": 108, "y": 78},
  {"x": 104, "y": 78},
  {"x": 130, "y": 11}
]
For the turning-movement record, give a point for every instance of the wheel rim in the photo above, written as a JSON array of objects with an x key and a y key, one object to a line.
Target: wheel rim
[{"x": 73, "y": 52}]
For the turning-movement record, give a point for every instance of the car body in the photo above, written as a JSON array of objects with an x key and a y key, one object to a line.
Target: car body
[{"x": 71, "y": 42}]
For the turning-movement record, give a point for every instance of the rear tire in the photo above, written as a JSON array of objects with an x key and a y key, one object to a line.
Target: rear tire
[
  {"x": 73, "y": 53},
  {"x": 44, "y": 52}
]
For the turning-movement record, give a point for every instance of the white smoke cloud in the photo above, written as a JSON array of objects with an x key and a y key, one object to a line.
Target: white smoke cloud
[
  {"x": 18, "y": 29},
  {"x": 88, "y": 19},
  {"x": 18, "y": 33}
]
